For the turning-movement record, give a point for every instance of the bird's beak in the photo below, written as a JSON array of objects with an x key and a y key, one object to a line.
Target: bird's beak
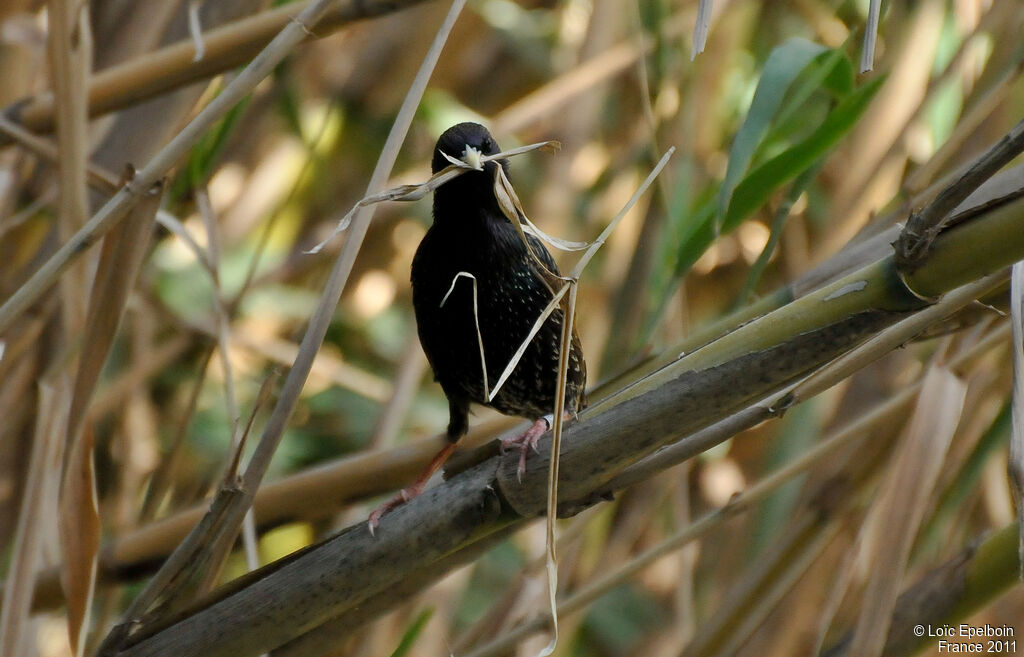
[{"x": 471, "y": 156}]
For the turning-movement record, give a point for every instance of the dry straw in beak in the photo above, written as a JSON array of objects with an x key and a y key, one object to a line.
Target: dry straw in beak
[{"x": 473, "y": 162}]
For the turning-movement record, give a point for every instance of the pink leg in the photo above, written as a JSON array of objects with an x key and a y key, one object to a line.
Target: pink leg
[
  {"x": 528, "y": 441},
  {"x": 412, "y": 490}
]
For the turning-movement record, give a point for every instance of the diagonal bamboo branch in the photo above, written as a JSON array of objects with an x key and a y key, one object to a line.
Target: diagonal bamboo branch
[
  {"x": 922, "y": 227},
  {"x": 379, "y": 471},
  {"x": 338, "y": 575}
]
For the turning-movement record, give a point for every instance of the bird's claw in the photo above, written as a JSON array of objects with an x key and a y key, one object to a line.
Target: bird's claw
[
  {"x": 525, "y": 442},
  {"x": 403, "y": 496}
]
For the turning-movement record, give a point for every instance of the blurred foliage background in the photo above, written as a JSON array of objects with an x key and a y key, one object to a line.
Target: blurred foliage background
[{"x": 768, "y": 182}]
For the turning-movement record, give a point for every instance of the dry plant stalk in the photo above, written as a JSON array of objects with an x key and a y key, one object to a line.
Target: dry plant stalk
[
  {"x": 867, "y": 55},
  {"x": 120, "y": 259},
  {"x": 69, "y": 48},
  {"x": 1016, "y": 462},
  {"x": 176, "y": 65},
  {"x": 41, "y": 488},
  {"x": 476, "y": 322},
  {"x": 508, "y": 201},
  {"x": 700, "y": 28},
  {"x": 115, "y": 209},
  {"x": 226, "y": 518},
  {"x": 901, "y": 505},
  {"x": 564, "y": 293},
  {"x": 417, "y": 191}
]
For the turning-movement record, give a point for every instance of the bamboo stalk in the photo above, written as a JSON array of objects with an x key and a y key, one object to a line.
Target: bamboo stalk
[{"x": 326, "y": 581}]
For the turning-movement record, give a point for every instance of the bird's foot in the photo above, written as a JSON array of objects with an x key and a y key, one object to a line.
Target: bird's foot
[
  {"x": 526, "y": 441},
  {"x": 403, "y": 496},
  {"x": 413, "y": 490}
]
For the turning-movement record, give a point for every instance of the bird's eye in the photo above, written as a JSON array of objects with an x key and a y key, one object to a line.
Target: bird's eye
[{"x": 487, "y": 144}]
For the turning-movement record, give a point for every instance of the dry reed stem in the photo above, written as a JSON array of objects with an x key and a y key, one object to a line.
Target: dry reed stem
[
  {"x": 558, "y": 416},
  {"x": 120, "y": 259},
  {"x": 69, "y": 49},
  {"x": 901, "y": 503},
  {"x": 700, "y": 29},
  {"x": 174, "y": 66},
  {"x": 26, "y": 548},
  {"x": 221, "y": 316},
  {"x": 161, "y": 477},
  {"x": 864, "y": 182},
  {"x": 115, "y": 209},
  {"x": 413, "y": 365},
  {"x": 1015, "y": 465},
  {"x": 867, "y": 55},
  {"x": 238, "y": 506},
  {"x": 969, "y": 122}
]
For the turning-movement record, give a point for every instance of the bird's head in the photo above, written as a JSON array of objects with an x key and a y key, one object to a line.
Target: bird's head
[{"x": 468, "y": 142}]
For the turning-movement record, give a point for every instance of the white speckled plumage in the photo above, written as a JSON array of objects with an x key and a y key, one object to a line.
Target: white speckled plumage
[{"x": 470, "y": 234}]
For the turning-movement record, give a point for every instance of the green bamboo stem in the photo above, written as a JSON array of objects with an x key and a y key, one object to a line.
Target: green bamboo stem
[{"x": 337, "y": 576}]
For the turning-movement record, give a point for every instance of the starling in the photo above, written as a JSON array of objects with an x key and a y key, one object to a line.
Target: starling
[{"x": 476, "y": 287}]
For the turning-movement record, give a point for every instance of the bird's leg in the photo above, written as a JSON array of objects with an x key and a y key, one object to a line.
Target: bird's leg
[
  {"x": 528, "y": 440},
  {"x": 412, "y": 490}
]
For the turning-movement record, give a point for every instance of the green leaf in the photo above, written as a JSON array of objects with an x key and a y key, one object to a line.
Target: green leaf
[
  {"x": 840, "y": 78},
  {"x": 699, "y": 234},
  {"x": 207, "y": 152},
  {"x": 205, "y": 155},
  {"x": 678, "y": 223},
  {"x": 413, "y": 633},
  {"x": 831, "y": 71},
  {"x": 783, "y": 66},
  {"x": 289, "y": 102},
  {"x": 782, "y": 214},
  {"x": 755, "y": 189},
  {"x": 619, "y": 621}
]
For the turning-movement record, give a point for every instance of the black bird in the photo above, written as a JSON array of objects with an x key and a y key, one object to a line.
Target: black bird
[{"x": 472, "y": 249}]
